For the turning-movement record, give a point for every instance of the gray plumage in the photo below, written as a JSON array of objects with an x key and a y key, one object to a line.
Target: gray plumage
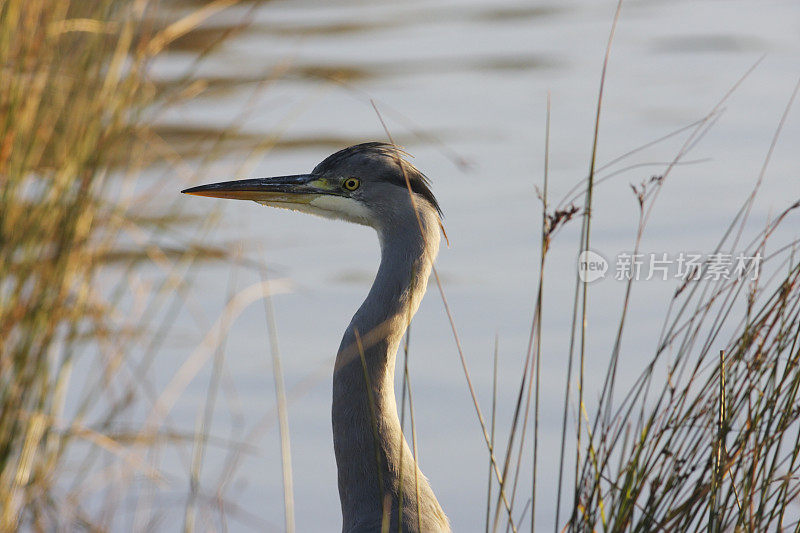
[{"x": 366, "y": 184}]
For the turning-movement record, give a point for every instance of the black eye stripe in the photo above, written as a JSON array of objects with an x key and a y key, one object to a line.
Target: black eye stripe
[{"x": 419, "y": 186}]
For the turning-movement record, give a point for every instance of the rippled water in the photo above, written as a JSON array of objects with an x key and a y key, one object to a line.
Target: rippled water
[{"x": 462, "y": 85}]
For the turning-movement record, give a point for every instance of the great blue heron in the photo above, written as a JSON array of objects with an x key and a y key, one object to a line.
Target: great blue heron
[{"x": 369, "y": 184}]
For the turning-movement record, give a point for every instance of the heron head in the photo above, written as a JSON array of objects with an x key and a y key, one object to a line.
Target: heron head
[{"x": 370, "y": 184}]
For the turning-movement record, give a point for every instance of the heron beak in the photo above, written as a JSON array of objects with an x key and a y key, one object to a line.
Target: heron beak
[{"x": 297, "y": 189}]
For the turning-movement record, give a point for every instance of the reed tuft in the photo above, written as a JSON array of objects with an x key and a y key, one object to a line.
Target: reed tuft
[{"x": 78, "y": 226}]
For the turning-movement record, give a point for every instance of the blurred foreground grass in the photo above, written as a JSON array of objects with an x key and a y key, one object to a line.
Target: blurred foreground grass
[{"x": 77, "y": 136}]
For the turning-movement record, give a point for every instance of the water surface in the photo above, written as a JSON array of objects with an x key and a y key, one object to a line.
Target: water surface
[{"x": 463, "y": 86}]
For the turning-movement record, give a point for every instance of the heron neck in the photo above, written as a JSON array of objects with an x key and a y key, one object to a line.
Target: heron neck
[{"x": 373, "y": 460}]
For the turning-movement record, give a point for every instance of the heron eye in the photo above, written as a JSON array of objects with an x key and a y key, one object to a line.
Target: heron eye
[{"x": 351, "y": 184}]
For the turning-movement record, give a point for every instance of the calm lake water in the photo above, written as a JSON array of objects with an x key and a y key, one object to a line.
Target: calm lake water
[{"x": 463, "y": 86}]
